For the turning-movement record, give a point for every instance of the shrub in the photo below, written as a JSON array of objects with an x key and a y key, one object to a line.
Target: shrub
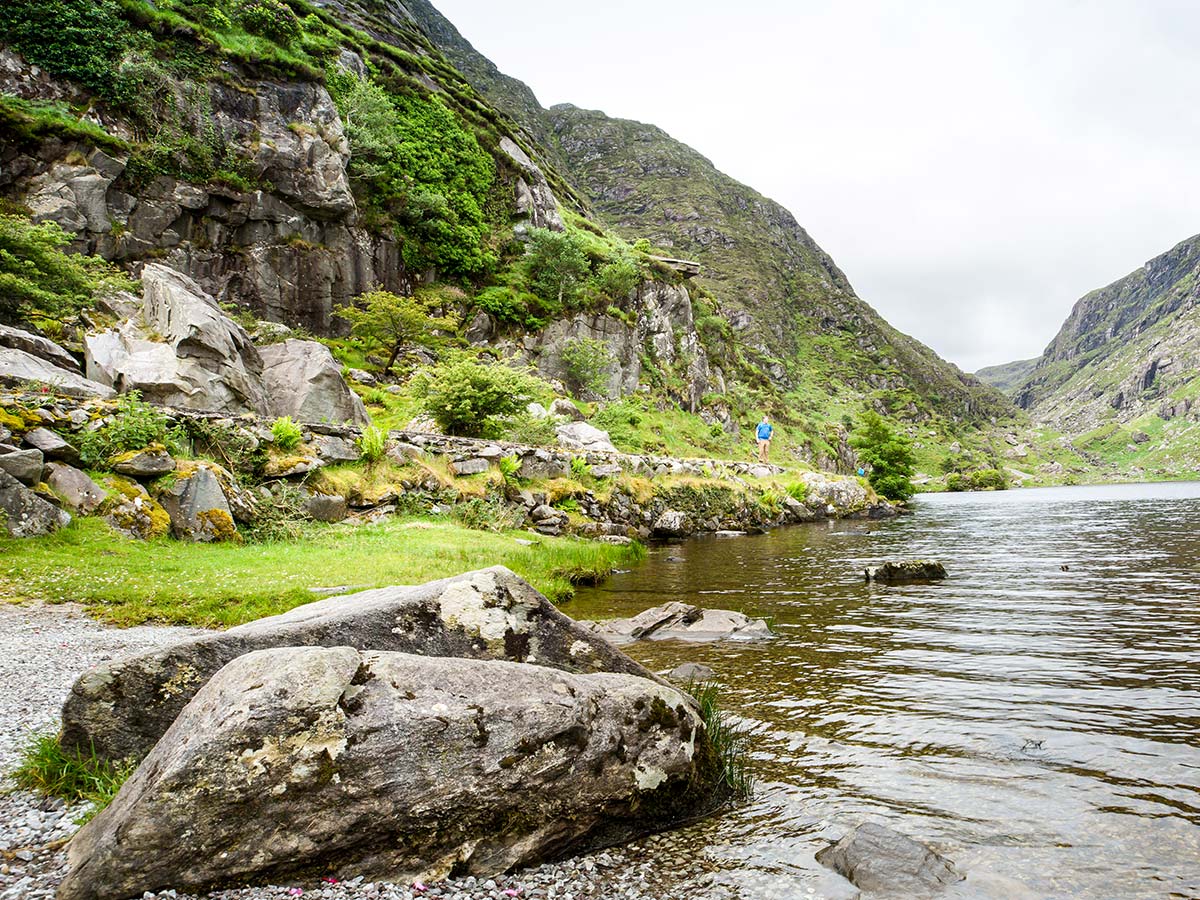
[
  {"x": 526, "y": 429},
  {"x": 373, "y": 443},
  {"x": 272, "y": 19},
  {"x": 466, "y": 397},
  {"x": 556, "y": 266},
  {"x": 279, "y": 517},
  {"x": 586, "y": 361},
  {"x": 39, "y": 280},
  {"x": 488, "y": 514},
  {"x": 619, "y": 278},
  {"x": 509, "y": 467},
  {"x": 134, "y": 426},
  {"x": 48, "y": 768},
  {"x": 386, "y": 320},
  {"x": 579, "y": 467},
  {"x": 286, "y": 434},
  {"x": 798, "y": 491},
  {"x": 888, "y": 454},
  {"x": 78, "y": 39}
]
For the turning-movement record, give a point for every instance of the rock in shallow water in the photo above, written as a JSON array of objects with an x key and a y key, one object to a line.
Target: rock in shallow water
[
  {"x": 907, "y": 571},
  {"x": 685, "y": 622},
  {"x": 387, "y": 765},
  {"x": 122, "y": 708},
  {"x": 876, "y": 858}
]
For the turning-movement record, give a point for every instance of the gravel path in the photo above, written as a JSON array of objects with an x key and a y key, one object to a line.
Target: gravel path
[{"x": 44, "y": 648}]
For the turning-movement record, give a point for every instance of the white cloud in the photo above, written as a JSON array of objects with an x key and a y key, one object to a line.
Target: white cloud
[{"x": 973, "y": 168}]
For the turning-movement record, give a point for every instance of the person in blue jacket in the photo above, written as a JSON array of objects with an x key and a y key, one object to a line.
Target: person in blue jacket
[{"x": 764, "y": 432}]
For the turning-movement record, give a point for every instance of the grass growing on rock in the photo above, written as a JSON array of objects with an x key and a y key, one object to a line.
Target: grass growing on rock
[
  {"x": 730, "y": 742},
  {"x": 49, "y": 769},
  {"x": 128, "y": 582}
]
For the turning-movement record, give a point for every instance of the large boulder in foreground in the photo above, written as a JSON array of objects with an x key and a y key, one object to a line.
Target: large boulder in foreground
[
  {"x": 337, "y": 763},
  {"x": 876, "y": 858},
  {"x": 304, "y": 381},
  {"x": 121, "y": 708},
  {"x": 684, "y": 622}
]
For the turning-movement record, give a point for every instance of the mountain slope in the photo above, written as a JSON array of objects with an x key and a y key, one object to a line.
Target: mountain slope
[
  {"x": 1007, "y": 377},
  {"x": 793, "y": 311}
]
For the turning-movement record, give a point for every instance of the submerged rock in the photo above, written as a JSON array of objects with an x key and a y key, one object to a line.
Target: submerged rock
[
  {"x": 305, "y": 761},
  {"x": 876, "y": 858},
  {"x": 685, "y": 622},
  {"x": 121, "y": 708},
  {"x": 906, "y": 572}
]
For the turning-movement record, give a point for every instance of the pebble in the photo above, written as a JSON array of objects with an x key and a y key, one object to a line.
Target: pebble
[{"x": 43, "y": 649}]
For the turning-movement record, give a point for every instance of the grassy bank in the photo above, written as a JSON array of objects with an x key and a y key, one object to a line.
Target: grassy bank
[{"x": 128, "y": 582}]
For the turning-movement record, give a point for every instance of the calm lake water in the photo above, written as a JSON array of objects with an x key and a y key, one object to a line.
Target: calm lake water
[{"x": 1032, "y": 723}]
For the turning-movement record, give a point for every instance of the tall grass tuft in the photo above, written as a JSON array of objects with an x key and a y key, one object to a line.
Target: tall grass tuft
[
  {"x": 730, "y": 742},
  {"x": 49, "y": 769}
]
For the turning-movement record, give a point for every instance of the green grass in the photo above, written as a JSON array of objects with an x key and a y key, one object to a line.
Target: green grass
[
  {"x": 53, "y": 771},
  {"x": 127, "y": 582},
  {"x": 730, "y": 742}
]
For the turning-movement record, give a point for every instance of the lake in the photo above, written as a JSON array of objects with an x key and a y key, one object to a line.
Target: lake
[{"x": 1035, "y": 717}]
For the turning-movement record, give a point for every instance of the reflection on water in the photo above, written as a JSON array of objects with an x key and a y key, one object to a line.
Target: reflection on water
[{"x": 1035, "y": 717}]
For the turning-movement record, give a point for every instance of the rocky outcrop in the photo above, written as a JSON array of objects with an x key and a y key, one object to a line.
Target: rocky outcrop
[
  {"x": 535, "y": 201},
  {"x": 24, "y": 465},
  {"x": 906, "y": 572},
  {"x": 685, "y": 622},
  {"x": 198, "y": 507},
  {"x": 123, "y": 707},
  {"x": 399, "y": 767},
  {"x": 75, "y": 488},
  {"x": 20, "y": 368},
  {"x": 302, "y": 380},
  {"x": 582, "y": 436},
  {"x": 36, "y": 345},
  {"x": 876, "y": 858},
  {"x": 23, "y": 513},
  {"x": 183, "y": 352}
]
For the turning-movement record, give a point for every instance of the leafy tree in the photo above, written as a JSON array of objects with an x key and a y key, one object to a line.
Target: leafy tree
[
  {"x": 39, "y": 281},
  {"x": 618, "y": 277},
  {"x": 466, "y": 397},
  {"x": 586, "y": 361},
  {"x": 556, "y": 265},
  {"x": 888, "y": 454},
  {"x": 78, "y": 39},
  {"x": 389, "y": 321}
]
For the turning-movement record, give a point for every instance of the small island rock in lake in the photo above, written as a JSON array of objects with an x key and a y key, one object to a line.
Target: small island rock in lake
[
  {"x": 685, "y": 622},
  {"x": 906, "y": 572}
]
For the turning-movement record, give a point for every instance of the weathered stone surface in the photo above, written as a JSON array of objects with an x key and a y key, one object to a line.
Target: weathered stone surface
[
  {"x": 148, "y": 463},
  {"x": 534, "y": 198},
  {"x": 906, "y": 571},
  {"x": 685, "y": 622},
  {"x": 304, "y": 381},
  {"x": 186, "y": 353},
  {"x": 332, "y": 449},
  {"x": 392, "y": 766},
  {"x": 876, "y": 858},
  {"x": 51, "y": 445},
  {"x": 672, "y": 524},
  {"x": 134, "y": 512},
  {"x": 326, "y": 508},
  {"x": 473, "y": 466},
  {"x": 198, "y": 507},
  {"x": 23, "y": 465},
  {"x": 691, "y": 672},
  {"x": 75, "y": 488},
  {"x": 843, "y": 495},
  {"x": 582, "y": 436},
  {"x": 36, "y": 345},
  {"x": 23, "y": 513},
  {"x": 566, "y": 409},
  {"x": 123, "y": 707}
]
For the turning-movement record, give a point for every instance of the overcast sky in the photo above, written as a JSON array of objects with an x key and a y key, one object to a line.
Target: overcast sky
[{"x": 973, "y": 167}]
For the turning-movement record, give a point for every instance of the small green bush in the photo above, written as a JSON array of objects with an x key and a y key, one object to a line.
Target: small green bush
[
  {"x": 272, "y": 19},
  {"x": 286, "y": 434},
  {"x": 279, "y": 518},
  {"x": 510, "y": 466},
  {"x": 579, "y": 467},
  {"x": 586, "y": 361},
  {"x": 135, "y": 425},
  {"x": 373, "y": 444},
  {"x": 556, "y": 266},
  {"x": 467, "y": 397},
  {"x": 523, "y": 428},
  {"x": 49, "y": 769},
  {"x": 798, "y": 491},
  {"x": 889, "y": 455},
  {"x": 619, "y": 278},
  {"x": 488, "y": 514}
]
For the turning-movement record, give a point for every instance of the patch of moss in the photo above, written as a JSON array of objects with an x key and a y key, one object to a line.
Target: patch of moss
[{"x": 220, "y": 525}]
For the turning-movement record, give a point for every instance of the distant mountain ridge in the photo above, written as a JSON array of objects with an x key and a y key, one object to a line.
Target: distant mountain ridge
[{"x": 1007, "y": 377}]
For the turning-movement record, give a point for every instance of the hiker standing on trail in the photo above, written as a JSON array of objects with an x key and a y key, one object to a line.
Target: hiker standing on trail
[{"x": 764, "y": 432}]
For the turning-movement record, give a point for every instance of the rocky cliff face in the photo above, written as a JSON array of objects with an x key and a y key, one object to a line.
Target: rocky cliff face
[{"x": 1127, "y": 351}]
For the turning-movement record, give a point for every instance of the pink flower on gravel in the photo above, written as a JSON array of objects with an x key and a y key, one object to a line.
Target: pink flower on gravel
[
  {"x": 417, "y": 886},
  {"x": 511, "y": 892},
  {"x": 295, "y": 892},
  {"x": 330, "y": 880}
]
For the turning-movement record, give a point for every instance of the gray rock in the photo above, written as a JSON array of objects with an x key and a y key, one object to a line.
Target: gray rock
[
  {"x": 906, "y": 572},
  {"x": 608, "y": 471},
  {"x": 582, "y": 436},
  {"x": 473, "y": 466},
  {"x": 326, "y": 508},
  {"x": 402, "y": 453},
  {"x": 78, "y": 491},
  {"x": 876, "y": 858},
  {"x": 534, "y": 198},
  {"x": 36, "y": 345},
  {"x": 304, "y": 381},
  {"x": 672, "y": 524},
  {"x": 537, "y": 411},
  {"x": 23, "y": 513},
  {"x": 566, "y": 409},
  {"x": 186, "y": 353},
  {"x": 362, "y": 377},
  {"x": 198, "y": 507},
  {"x": 691, "y": 672},
  {"x": 51, "y": 445},
  {"x": 685, "y": 622},
  {"x": 18, "y": 367},
  {"x": 148, "y": 463},
  {"x": 122, "y": 707},
  {"x": 399, "y": 767},
  {"x": 333, "y": 449},
  {"x": 24, "y": 465}
]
